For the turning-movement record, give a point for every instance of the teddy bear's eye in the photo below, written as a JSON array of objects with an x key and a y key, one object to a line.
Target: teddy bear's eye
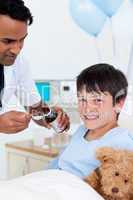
[
  {"x": 116, "y": 174},
  {"x": 125, "y": 180}
]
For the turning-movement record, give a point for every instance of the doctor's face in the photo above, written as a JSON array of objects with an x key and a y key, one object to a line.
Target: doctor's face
[
  {"x": 12, "y": 35},
  {"x": 96, "y": 109}
]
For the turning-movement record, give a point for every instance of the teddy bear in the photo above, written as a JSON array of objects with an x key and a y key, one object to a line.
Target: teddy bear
[{"x": 113, "y": 179}]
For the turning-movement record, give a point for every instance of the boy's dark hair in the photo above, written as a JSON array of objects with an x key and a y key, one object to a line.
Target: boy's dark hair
[
  {"x": 16, "y": 9},
  {"x": 103, "y": 78}
]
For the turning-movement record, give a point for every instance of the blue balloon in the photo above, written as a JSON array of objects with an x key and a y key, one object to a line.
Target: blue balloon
[
  {"x": 109, "y": 7},
  {"x": 88, "y": 16}
]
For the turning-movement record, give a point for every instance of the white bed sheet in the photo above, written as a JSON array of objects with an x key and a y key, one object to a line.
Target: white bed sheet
[{"x": 47, "y": 185}]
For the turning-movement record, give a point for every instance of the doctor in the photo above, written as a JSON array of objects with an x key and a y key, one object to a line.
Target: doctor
[{"x": 14, "y": 72}]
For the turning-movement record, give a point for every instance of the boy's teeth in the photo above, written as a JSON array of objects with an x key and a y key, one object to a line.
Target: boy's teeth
[{"x": 91, "y": 116}]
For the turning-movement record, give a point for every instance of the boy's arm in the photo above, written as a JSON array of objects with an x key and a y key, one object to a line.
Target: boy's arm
[{"x": 54, "y": 163}]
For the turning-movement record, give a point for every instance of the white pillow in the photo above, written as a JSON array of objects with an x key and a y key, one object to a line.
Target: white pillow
[
  {"x": 126, "y": 121},
  {"x": 48, "y": 185}
]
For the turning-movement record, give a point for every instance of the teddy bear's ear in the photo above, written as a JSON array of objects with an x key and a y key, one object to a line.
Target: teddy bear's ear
[
  {"x": 105, "y": 154},
  {"x": 130, "y": 155}
]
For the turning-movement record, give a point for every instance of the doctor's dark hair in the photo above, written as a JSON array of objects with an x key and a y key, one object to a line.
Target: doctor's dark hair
[
  {"x": 17, "y": 10},
  {"x": 103, "y": 78}
]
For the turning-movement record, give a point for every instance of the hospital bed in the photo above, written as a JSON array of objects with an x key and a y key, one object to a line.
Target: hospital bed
[
  {"x": 47, "y": 185},
  {"x": 52, "y": 184}
]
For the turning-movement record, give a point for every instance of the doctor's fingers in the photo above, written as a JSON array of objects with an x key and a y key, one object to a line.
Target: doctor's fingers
[
  {"x": 15, "y": 130},
  {"x": 16, "y": 127},
  {"x": 21, "y": 117},
  {"x": 14, "y": 123}
]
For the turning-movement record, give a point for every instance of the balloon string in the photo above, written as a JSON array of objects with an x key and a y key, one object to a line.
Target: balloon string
[
  {"x": 113, "y": 40},
  {"x": 130, "y": 65},
  {"x": 97, "y": 49}
]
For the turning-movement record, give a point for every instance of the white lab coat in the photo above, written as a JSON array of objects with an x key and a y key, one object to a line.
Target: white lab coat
[{"x": 18, "y": 82}]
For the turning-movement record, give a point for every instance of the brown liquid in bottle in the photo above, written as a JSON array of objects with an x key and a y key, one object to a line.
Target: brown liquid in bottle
[{"x": 50, "y": 115}]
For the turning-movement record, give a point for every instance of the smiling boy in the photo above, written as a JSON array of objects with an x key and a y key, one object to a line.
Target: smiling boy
[{"x": 101, "y": 92}]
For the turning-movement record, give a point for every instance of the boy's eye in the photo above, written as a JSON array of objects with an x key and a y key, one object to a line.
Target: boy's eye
[
  {"x": 82, "y": 99},
  {"x": 98, "y": 100}
]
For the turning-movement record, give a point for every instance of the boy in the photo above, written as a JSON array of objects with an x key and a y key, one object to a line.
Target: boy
[{"x": 101, "y": 91}]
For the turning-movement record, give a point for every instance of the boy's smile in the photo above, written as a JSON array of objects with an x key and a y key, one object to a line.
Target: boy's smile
[{"x": 91, "y": 116}]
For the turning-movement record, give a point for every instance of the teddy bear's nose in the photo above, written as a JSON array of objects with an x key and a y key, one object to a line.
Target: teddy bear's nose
[{"x": 115, "y": 190}]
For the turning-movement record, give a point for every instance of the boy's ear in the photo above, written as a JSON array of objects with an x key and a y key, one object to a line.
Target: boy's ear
[{"x": 119, "y": 105}]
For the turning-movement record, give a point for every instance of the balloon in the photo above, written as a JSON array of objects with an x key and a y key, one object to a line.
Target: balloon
[
  {"x": 88, "y": 16},
  {"x": 109, "y": 7}
]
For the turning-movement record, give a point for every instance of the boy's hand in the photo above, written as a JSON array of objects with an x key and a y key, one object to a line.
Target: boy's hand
[{"x": 62, "y": 119}]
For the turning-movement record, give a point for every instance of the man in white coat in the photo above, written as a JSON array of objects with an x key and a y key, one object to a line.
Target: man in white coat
[{"x": 14, "y": 73}]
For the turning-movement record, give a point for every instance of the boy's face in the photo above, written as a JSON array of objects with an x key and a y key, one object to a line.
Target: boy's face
[{"x": 96, "y": 109}]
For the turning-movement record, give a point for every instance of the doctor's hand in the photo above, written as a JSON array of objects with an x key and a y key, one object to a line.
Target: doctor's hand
[{"x": 14, "y": 121}]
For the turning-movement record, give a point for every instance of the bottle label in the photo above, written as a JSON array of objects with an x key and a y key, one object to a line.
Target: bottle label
[{"x": 54, "y": 125}]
